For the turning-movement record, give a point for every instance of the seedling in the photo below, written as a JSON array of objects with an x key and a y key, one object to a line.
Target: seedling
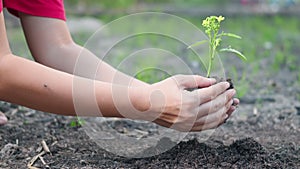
[
  {"x": 212, "y": 26},
  {"x": 77, "y": 123}
]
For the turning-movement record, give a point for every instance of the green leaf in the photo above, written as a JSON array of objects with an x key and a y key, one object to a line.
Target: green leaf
[
  {"x": 197, "y": 43},
  {"x": 231, "y": 35},
  {"x": 73, "y": 123},
  {"x": 238, "y": 53}
]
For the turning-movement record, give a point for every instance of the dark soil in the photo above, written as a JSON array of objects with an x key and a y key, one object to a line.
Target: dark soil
[{"x": 229, "y": 80}]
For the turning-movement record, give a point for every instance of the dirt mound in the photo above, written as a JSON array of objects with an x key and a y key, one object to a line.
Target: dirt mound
[{"x": 242, "y": 153}]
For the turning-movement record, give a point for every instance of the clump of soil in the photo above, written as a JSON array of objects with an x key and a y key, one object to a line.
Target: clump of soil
[{"x": 221, "y": 79}]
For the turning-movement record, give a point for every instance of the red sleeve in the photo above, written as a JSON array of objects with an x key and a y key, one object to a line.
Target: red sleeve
[
  {"x": 1, "y": 6},
  {"x": 42, "y": 8}
]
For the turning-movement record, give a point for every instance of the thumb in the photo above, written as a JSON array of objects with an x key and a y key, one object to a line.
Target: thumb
[{"x": 193, "y": 81}]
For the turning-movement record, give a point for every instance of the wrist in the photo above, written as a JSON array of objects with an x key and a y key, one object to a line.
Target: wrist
[
  {"x": 139, "y": 83},
  {"x": 139, "y": 98}
]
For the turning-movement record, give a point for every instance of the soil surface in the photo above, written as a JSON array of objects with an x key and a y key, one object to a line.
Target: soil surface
[{"x": 239, "y": 144}]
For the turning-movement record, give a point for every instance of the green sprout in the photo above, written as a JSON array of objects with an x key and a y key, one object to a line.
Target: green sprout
[
  {"x": 212, "y": 26},
  {"x": 77, "y": 123}
]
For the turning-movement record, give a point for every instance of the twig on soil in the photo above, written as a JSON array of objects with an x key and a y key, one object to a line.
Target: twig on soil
[
  {"x": 46, "y": 150},
  {"x": 31, "y": 167},
  {"x": 204, "y": 155},
  {"x": 45, "y": 147},
  {"x": 39, "y": 149},
  {"x": 55, "y": 142},
  {"x": 33, "y": 160},
  {"x": 43, "y": 161},
  {"x": 13, "y": 112}
]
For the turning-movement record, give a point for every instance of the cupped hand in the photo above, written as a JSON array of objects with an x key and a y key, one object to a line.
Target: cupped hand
[{"x": 170, "y": 104}]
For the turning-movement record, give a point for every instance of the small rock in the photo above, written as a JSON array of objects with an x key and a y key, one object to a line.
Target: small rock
[
  {"x": 281, "y": 117},
  {"x": 83, "y": 162},
  {"x": 225, "y": 164}
]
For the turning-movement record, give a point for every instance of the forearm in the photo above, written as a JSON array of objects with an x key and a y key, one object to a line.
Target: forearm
[
  {"x": 65, "y": 59},
  {"x": 36, "y": 86},
  {"x": 51, "y": 44}
]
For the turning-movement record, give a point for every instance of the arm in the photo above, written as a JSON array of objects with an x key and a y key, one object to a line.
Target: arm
[
  {"x": 36, "y": 86},
  {"x": 51, "y": 44},
  {"x": 166, "y": 103},
  {"x": 39, "y": 87}
]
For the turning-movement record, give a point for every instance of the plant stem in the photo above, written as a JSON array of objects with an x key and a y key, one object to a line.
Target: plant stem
[
  {"x": 211, "y": 53},
  {"x": 210, "y": 61}
]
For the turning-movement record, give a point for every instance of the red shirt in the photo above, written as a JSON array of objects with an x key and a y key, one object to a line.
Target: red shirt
[{"x": 42, "y": 8}]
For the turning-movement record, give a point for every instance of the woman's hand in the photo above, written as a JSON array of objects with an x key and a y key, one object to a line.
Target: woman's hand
[{"x": 170, "y": 104}]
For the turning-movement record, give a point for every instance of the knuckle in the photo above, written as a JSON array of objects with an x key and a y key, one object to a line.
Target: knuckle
[{"x": 214, "y": 108}]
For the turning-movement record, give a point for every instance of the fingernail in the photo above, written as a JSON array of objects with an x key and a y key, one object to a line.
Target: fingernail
[
  {"x": 232, "y": 92},
  {"x": 227, "y": 85},
  {"x": 213, "y": 80},
  {"x": 226, "y": 116}
]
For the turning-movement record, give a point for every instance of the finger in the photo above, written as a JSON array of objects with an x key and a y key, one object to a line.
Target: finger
[
  {"x": 216, "y": 104},
  {"x": 230, "y": 111},
  {"x": 176, "y": 126},
  {"x": 216, "y": 116},
  {"x": 236, "y": 102},
  {"x": 207, "y": 94},
  {"x": 208, "y": 126},
  {"x": 233, "y": 107},
  {"x": 215, "y": 120},
  {"x": 193, "y": 81}
]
